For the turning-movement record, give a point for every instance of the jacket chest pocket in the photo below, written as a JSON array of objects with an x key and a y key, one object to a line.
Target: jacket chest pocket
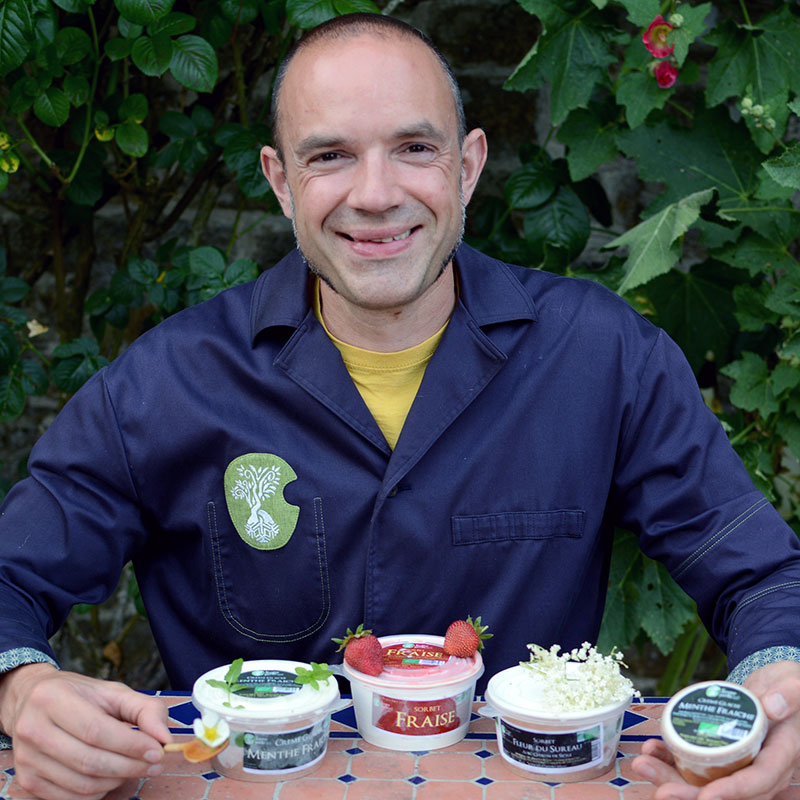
[
  {"x": 280, "y": 595},
  {"x": 516, "y": 525}
]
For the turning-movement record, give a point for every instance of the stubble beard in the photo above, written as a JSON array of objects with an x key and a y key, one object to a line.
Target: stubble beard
[{"x": 315, "y": 269}]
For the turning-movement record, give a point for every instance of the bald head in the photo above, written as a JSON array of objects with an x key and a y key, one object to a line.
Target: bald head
[{"x": 337, "y": 32}]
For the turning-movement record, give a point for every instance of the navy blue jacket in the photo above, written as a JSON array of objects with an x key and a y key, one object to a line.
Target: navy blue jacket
[{"x": 550, "y": 413}]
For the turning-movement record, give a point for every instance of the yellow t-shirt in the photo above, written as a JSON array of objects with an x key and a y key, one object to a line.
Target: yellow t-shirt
[{"x": 388, "y": 382}]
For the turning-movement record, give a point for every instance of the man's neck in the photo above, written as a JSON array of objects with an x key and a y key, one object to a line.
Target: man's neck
[{"x": 392, "y": 329}]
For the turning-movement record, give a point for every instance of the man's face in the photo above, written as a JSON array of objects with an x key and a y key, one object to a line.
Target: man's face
[{"x": 373, "y": 176}]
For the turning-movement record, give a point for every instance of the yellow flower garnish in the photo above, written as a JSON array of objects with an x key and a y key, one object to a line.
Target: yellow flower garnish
[{"x": 211, "y": 729}]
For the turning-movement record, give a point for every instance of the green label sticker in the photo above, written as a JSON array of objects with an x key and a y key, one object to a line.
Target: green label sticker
[{"x": 254, "y": 485}]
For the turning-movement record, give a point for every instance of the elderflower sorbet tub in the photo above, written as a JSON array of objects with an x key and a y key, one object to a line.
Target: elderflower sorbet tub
[
  {"x": 712, "y": 729},
  {"x": 278, "y": 728},
  {"x": 560, "y": 721},
  {"x": 423, "y": 698}
]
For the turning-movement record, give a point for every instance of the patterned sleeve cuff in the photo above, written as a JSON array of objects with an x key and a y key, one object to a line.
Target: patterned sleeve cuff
[
  {"x": 16, "y": 658},
  {"x": 761, "y": 658}
]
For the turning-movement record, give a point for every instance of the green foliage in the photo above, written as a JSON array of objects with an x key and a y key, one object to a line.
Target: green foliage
[{"x": 713, "y": 256}]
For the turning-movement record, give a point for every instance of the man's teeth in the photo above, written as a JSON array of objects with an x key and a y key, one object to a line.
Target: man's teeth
[{"x": 393, "y": 238}]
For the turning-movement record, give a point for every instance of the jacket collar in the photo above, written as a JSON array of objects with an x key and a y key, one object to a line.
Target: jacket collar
[{"x": 489, "y": 290}]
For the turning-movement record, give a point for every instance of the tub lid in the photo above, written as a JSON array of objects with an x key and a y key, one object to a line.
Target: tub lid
[
  {"x": 518, "y": 692},
  {"x": 715, "y": 717},
  {"x": 417, "y": 660},
  {"x": 268, "y": 692}
]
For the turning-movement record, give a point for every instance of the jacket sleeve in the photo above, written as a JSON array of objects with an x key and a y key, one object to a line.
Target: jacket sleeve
[
  {"x": 68, "y": 529},
  {"x": 681, "y": 487}
]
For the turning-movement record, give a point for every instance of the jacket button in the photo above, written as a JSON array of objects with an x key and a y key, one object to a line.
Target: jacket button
[{"x": 393, "y": 491}]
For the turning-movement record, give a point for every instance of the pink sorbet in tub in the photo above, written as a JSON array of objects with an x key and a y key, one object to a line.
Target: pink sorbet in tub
[{"x": 423, "y": 698}]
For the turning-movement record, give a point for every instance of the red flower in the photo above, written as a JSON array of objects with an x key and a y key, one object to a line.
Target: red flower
[
  {"x": 666, "y": 74},
  {"x": 655, "y": 38}
]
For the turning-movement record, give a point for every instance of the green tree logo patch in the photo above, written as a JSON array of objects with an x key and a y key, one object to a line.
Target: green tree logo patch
[{"x": 254, "y": 485}]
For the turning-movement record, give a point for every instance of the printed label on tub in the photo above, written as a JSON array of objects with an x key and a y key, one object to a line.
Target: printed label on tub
[
  {"x": 284, "y": 752},
  {"x": 714, "y": 716},
  {"x": 414, "y": 655},
  {"x": 420, "y": 717},
  {"x": 546, "y": 751},
  {"x": 266, "y": 684}
]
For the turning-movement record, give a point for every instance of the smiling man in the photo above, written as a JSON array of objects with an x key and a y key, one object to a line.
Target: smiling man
[
  {"x": 375, "y": 175},
  {"x": 386, "y": 426}
]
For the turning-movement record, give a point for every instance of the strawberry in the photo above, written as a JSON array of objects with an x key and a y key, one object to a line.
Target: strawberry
[
  {"x": 465, "y": 637},
  {"x": 362, "y": 651}
]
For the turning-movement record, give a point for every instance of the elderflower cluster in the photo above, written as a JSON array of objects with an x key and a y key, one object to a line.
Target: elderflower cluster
[{"x": 579, "y": 680}]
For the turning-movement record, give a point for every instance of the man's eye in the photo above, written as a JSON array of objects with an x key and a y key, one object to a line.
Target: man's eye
[
  {"x": 326, "y": 157},
  {"x": 418, "y": 148}
]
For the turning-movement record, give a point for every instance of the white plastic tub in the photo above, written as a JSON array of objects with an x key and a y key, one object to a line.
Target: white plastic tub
[
  {"x": 712, "y": 729},
  {"x": 423, "y": 698},
  {"x": 279, "y": 728},
  {"x": 551, "y": 745}
]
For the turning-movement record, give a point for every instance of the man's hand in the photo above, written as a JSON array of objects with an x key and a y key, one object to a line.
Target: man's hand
[
  {"x": 72, "y": 735},
  {"x": 777, "y": 686}
]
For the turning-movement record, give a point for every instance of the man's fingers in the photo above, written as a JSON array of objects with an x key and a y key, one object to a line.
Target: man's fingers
[{"x": 777, "y": 686}]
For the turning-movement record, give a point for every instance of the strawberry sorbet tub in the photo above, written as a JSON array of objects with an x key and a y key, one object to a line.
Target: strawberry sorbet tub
[
  {"x": 278, "y": 728},
  {"x": 422, "y": 700}
]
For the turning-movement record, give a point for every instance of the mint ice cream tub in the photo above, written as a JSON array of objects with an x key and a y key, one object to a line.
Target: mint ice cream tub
[
  {"x": 278, "y": 728},
  {"x": 422, "y": 700},
  {"x": 712, "y": 729}
]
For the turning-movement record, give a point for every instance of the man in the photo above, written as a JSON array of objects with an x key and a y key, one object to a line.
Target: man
[{"x": 417, "y": 435}]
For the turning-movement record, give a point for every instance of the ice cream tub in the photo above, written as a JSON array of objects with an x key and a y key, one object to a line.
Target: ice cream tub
[
  {"x": 542, "y": 740},
  {"x": 422, "y": 700},
  {"x": 278, "y": 728},
  {"x": 712, "y": 729}
]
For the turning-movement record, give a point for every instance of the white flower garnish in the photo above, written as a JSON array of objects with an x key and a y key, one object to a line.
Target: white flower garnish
[
  {"x": 211, "y": 729},
  {"x": 579, "y": 680}
]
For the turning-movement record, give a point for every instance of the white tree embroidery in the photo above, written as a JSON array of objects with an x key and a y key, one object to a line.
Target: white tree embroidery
[{"x": 256, "y": 485}]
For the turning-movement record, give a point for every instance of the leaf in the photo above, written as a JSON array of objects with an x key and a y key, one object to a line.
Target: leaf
[
  {"x": 16, "y": 33},
  {"x": 641, "y": 12},
  {"x": 3, "y": 180},
  {"x": 640, "y": 93},
  {"x": 34, "y": 379},
  {"x": 715, "y": 154},
  {"x": 134, "y": 108},
  {"x": 12, "y": 290},
  {"x": 752, "y": 390},
  {"x": 785, "y": 168},
  {"x": 240, "y": 271},
  {"x": 757, "y": 255},
  {"x": 86, "y": 188},
  {"x": 52, "y": 107},
  {"x": 235, "y": 669},
  {"x": 309, "y": 13},
  {"x": 784, "y": 377},
  {"x": 9, "y": 348},
  {"x": 74, "y": 6},
  {"x": 653, "y": 244},
  {"x": 173, "y": 24},
  {"x": 194, "y": 63},
  {"x": 531, "y": 184},
  {"x": 768, "y": 57},
  {"x": 561, "y": 222},
  {"x": 117, "y": 48},
  {"x": 239, "y": 12},
  {"x": 206, "y": 261},
  {"x": 81, "y": 346},
  {"x": 353, "y": 6},
  {"x": 697, "y": 308},
  {"x": 572, "y": 59},
  {"x": 789, "y": 430},
  {"x": 176, "y": 125},
  {"x": 751, "y": 313},
  {"x": 129, "y": 29},
  {"x": 693, "y": 26},
  {"x": 665, "y": 607},
  {"x": 72, "y": 44},
  {"x": 142, "y": 270},
  {"x": 152, "y": 54},
  {"x": 77, "y": 89},
  {"x": 12, "y": 398},
  {"x": 589, "y": 141},
  {"x": 132, "y": 139},
  {"x": 143, "y": 12},
  {"x": 71, "y": 373}
]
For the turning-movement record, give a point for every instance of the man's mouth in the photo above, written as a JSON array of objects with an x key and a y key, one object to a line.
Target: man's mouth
[{"x": 382, "y": 240}]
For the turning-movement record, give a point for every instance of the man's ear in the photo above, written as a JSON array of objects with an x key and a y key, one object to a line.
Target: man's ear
[
  {"x": 274, "y": 172},
  {"x": 473, "y": 156}
]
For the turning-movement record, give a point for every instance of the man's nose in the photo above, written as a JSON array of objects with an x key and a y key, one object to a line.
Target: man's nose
[{"x": 375, "y": 185}]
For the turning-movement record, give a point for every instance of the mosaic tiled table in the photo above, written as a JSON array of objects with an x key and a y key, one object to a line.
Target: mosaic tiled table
[{"x": 356, "y": 770}]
